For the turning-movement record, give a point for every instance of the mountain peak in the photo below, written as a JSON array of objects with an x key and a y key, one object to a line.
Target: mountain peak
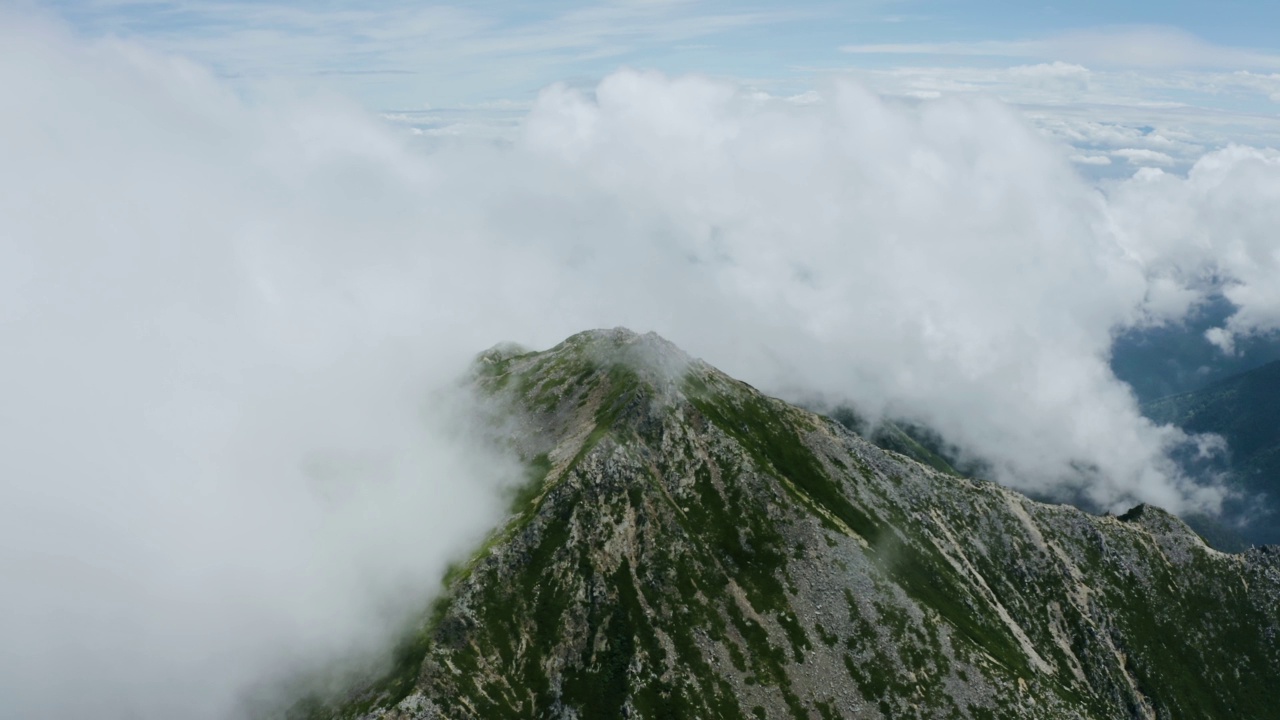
[
  {"x": 648, "y": 354},
  {"x": 648, "y": 357},
  {"x": 555, "y": 405},
  {"x": 688, "y": 547},
  {"x": 1158, "y": 521}
]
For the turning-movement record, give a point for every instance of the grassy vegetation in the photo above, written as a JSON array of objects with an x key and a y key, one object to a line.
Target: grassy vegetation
[{"x": 767, "y": 429}]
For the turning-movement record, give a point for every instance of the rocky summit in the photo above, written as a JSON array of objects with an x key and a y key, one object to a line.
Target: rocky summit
[{"x": 687, "y": 547}]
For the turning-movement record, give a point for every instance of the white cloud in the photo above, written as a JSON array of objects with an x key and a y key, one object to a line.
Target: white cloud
[
  {"x": 1091, "y": 159},
  {"x": 808, "y": 97},
  {"x": 398, "y": 53},
  {"x": 892, "y": 273},
  {"x": 1129, "y": 79},
  {"x": 1223, "y": 339},
  {"x": 215, "y": 308},
  {"x": 1266, "y": 84},
  {"x": 1057, "y": 69},
  {"x": 1143, "y": 156},
  {"x": 218, "y": 460},
  {"x": 1154, "y": 47},
  {"x": 1214, "y": 227},
  {"x": 1147, "y": 47},
  {"x": 1063, "y": 78},
  {"x": 1182, "y": 114}
]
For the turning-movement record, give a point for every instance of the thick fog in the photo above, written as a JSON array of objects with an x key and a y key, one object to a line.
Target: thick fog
[{"x": 227, "y": 443}]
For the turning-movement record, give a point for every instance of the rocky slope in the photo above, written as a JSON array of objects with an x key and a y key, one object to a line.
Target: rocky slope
[{"x": 689, "y": 548}]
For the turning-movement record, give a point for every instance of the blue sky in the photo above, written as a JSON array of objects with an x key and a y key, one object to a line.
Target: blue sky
[{"x": 1205, "y": 72}]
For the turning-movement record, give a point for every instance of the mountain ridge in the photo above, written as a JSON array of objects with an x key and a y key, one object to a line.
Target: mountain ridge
[{"x": 688, "y": 547}]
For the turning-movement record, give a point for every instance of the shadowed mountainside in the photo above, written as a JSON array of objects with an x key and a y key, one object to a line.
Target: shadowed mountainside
[
  {"x": 1174, "y": 359},
  {"x": 1245, "y": 410}
]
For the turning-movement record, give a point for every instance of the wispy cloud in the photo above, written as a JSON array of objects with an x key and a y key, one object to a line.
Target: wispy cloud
[
  {"x": 1122, "y": 47},
  {"x": 457, "y": 53}
]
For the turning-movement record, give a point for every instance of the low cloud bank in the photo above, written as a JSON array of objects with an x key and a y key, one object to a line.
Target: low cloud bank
[{"x": 227, "y": 326}]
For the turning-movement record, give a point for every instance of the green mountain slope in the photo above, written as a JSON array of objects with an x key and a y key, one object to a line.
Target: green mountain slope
[
  {"x": 689, "y": 548},
  {"x": 1245, "y": 410}
]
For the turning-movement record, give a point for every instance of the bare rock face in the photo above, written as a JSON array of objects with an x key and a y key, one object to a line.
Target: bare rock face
[{"x": 689, "y": 548}]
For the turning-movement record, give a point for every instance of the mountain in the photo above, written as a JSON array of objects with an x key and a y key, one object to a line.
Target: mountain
[
  {"x": 918, "y": 442},
  {"x": 687, "y": 547},
  {"x": 1171, "y": 359},
  {"x": 1245, "y": 410}
]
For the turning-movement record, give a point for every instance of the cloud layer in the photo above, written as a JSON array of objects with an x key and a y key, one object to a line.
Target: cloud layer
[
  {"x": 228, "y": 324},
  {"x": 1215, "y": 226}
]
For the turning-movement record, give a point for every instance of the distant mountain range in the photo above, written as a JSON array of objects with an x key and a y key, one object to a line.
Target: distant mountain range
[
  {"x": 686, "y": 547},
  {"x": 1245, "y": 410},
  {"x": 1169, "y": 360}
]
